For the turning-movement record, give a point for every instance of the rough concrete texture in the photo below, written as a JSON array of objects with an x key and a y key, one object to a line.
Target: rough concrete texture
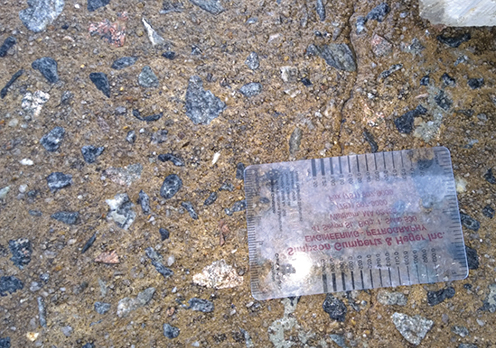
[{"x": 315, "y": 110}]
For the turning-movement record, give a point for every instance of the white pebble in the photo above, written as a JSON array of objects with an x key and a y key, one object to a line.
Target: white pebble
[
  {"x": 26, "y": 162},
  {"x": 215, "y": 158},
  {"x": 23, "y": 188}
]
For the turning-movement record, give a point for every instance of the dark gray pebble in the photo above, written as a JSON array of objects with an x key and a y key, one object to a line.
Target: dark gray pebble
[
  {"x": 131, "y": 137},
  {"x": 212, "y": 6},
  {"x": 475, "y": 83},
  {"x": 67, "y": 217},
  {"x": 90, "y": 153},
  {"x": 251, "y": 89},
  {"x": 159, "y": 136},
  {"x": 170, "y": 331},
  {"x": 102, "y": 307},
  {"x": 360, "y": 24},
  {"x": 170, "y": 186},
  {"x": 201, "y": 305},
  {"x": 47, "y": 67},
  {"x": 379, "y": 12},
  {"x": 240, "y": 171},
  {"x": 443, "y": 101},
  {"x": 211, "y": 198},
  {"x": 150, "y": 118},
  {"x": 7, "y": 44},
  {"x": 489, "y": 176},
  {"x": 144, "y": 202},
  {"x": 58, "y": 180},
  {"x": 190, "y": 209},
  {"x": 88, "y": 243},
  {"x": 454, "y": 41},
  {"x": 306, "y": 82},
  {"x": 252, "y": 61},
  {"x": 10, "y": 284},
  {"x": 339, "y": 56},
  {"x": 66, "y": 97},
  {"x": 147, "y": 78},
  {"x": 4, "y": 342},
  {"x": 9, "y": 83},
  {"x": 169, "y": 7},
  {"x": 36, "y": 213},
  {"x": 157, "y": 262},
  {"x": 370, "y": 139},
  {"x": 469, "y": 222},
  {"x": 488, "y": 211},
  {"x": 42, "y": 311},
  {"x": 164, "y": 234},
  {"x": 335, "y": 308},
  {"x": 123, "y": 62},
  {"x": 202, "y": 106},
  {"x": 21, "y": 252},
  {"x": 320, "y": 8},
  {"x": 388, "y": 72},
  {"x": 52, "y": 140},
  {"x": 169, "y": 55},
  {"x": 461, "y": 331},
  {"x": 95, "y": 4},
  {"x": 467, "y": 345},
  {"x": 405, "y": 122},
  {"x": 424, "y": 81},
  {"x": 436, "y": 297},
  {"x": 236, "y": 207},
  {"x": 226, "y": 186},
  {"x": 448, "y": 80},
  {"x": 472, "y": 258},
  {"x": 176, "y": 160},
  {"x": 89, "y": 345},
  {"x": 196, "y": 51},
  {"x": 100, "y": 80}
]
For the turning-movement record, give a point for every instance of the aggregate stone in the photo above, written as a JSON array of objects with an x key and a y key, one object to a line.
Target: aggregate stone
[
  {"x": 240, "y": 171},
  {"x": 21, "y": 252},
  {"x": 47, "y": 67},
  {"x": 67, "y": 217},
  {"x": 176, "y": 160},
  {"x": 90, "y": 153},
  {"x": 320, "y": 8},
  {"x": 128, "y": 304},
  {"x": 469, "y": 222},
  {"x": 40, "y": 13},
  {"x": 159, "y": 136},
  {"x": 100, "y": 80},
  {"x": 147, "y": 78},
  {"x": 210, "y": 199},
  {"x": 131, "y": 137},
  {"x": 170, "y": 186},
  {"x": 252, "y": 61},
  {"x": 472, "y": 258},
  {"x": 201, "y": 305},
  {"x": 226, "y": 186},
  {"x": 212, "y": 6},
  {"x": 120, "y": 210},
  {"x": 436, "y": 297},
  {"x": 102, "y": 307},
  {"x": 153, "y": 36},
  {"x": 171, "y": 331},
  {"x": 413, "y": 329},
  {"x": 144, "y": 202},
  {"x": 96, "y": 4},
  {"x": 454, "y": 41},
  {"x": 9, "y": 83},
  {"x": 339, "y": 56},
  {"x": 149, "y": 118},
  {"x": 448, "y": 80},
  {"x": 489, "y": 304},
  {"x": 370, "y": 139},
  {"x": 391, "y": 298},
  {"x": 123, "y": 62},
  {"x": 10, "y": 284},
  {"x": 201, "y": 105},
  {"x": 236, "y": 207},
  {"x": 58, "y": 180},
  {"x": 335, "y": 308},
  {"x": 156, "y": 259},
  {"x": 41, "y": 311},
  {"x": 461, "y": 331},
  {"x": 125, "y": 176},
  {"x": 388, "y": 72},
  {"x": 88, "y": 243},
  {"x": 467, "y": 345},
  {"x": 405, "y": 122},
  {"x": 251, "y": 89},
  {"x": 488, "y": 211},
  {"x": 489, "y": 176},
  {"x": 379, "y": 12},
  {"x": 7, "y": 44},
  {"x": 169, "y": 7},
  {"x": 164, "y": 234},
  {"x": 443, "y": 100},
  {"x": 190, "y": 209},
  {"x": 295, "y": 141},
  {"x": 169, "y": 55},
  {"x": 475, "y": 83}
]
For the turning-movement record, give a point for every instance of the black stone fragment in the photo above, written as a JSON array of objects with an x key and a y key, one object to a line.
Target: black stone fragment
[
  {"x": 170, "y": 186},
  {"x": 66, "y": 98},
  {"x": 392, "y": 69},
  {"x": 4, "y": 342},
  {"x": 13, "y": 79},
  {"x": 370, "y": 139},
  {"x": 47, "y": 67},
  {"x": 164, "y": 234},
  {"x": 240, "y": 171},
  {"x": 7, "y": 44},
  {"x": 320, "y": 8},
  {"x": 469, "y": 222},
  {"x": 360, "y": 24},
  {"x": 335, "y": 308},
  {"x": 171, "y": 331},
  {"x": 475, "y": 83},
  {"x": 88, "y": 243},
  {"x": 379, "y": 12},
  {"x": 157, "y": 262},
  {"x": 202, "y": 106},
  {"x": 52, "y": 140},
  {"x": 436, "y": 297},
  {"x": 177, "y": 161},
  {"x": 211, "y": 198},
  {"x": 123, "y": 62},
  {"x": 95, "y": 4},
  {"x": 101, "y": 82},
  {"x": 443, "y": 101},
  {"x": 131, "y": 137},
  {"x": 58, "y": 180},
  {"x": 195, "y": 50},
  {"x": 169, "y": 55},
  {"x": 190, "y": 209},
  {"x": 237, "y": 207},
  {"x": 144, "y": 202},
  {"x": 42, "y": 311},
  {"x": 424, "y": 81},
  {"x": 306, "y": 82},
  {"x": 21, "y": 252},
  {"x": 150, "y": 118},
  {"x": 67, "y": 217},
  {"x": 9, "y": 284},
  {"x": 227, "y": 186},
  {"x": 102, "y": 307},
  {"x": 489, "y": 176},
  {"x": 404, "y": 123},
  {"x": 201, "y": 305},
  {"x": 89, "y": 345},
  {"x": 65, "y": 26},
  {"x": 472, "y": 258},
  {"x": 488, "y": 211},
  {"x": 454, "y": 41},
  {"x": 448, "y": 80},
  {"x": 212, "y": 6},
  {"x": 90, "y": 153}
]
